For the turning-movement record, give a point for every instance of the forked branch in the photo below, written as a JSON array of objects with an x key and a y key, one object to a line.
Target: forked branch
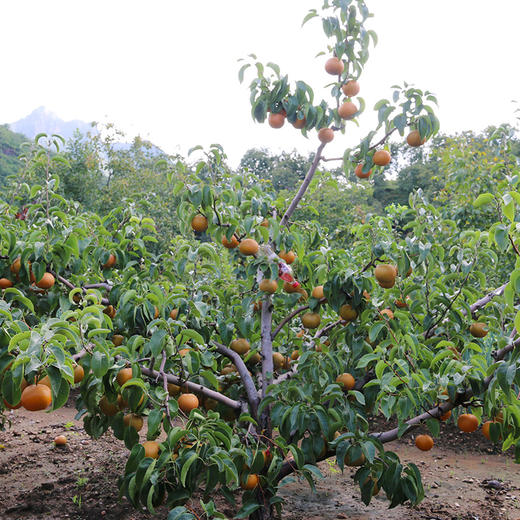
[{"x": 243, "y": 372}]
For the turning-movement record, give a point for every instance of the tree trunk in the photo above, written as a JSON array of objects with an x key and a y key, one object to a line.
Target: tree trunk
[{"x": 266, "y": 512}]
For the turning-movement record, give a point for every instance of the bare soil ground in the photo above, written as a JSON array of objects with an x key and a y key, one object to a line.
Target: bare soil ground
[{"x": 465, "y": 478}]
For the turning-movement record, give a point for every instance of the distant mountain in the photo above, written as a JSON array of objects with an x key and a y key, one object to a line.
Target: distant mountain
[{"x": 43, "y": 120}]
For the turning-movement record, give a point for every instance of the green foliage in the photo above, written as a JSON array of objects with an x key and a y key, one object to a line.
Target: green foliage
[
  {"x": 139, "y": 288},
  {"x": 10, "y": 148}
]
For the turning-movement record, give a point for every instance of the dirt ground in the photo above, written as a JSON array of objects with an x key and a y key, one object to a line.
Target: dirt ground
[{"x": 464, "y": 478}]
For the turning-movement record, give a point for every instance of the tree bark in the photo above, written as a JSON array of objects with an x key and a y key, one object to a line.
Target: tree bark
[
  {"x": 247, "y": 380},
  {"x": 303, "y": 188}
]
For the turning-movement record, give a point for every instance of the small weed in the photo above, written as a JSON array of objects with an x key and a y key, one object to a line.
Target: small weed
[
  {"x": 82, "y": 481},
  {"x": 332, "y": 466}
]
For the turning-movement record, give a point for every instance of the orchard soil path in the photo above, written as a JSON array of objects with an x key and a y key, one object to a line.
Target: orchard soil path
[{"x": 41, "y": 482}]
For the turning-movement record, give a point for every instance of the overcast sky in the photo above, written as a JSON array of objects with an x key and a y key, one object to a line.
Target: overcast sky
[{"x": 167, "y": 69}]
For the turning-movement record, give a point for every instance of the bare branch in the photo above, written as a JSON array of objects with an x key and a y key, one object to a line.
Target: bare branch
[
  {"x": 324, "y": 159},
  {"x": 71, "y": 286},
  {"x": 303, "y": 187},
  {"x": 82, "y": 353},
  {"x": 267, "y": 343},
  {"x": 101, "y": 285},
  {"x": 247, "y": 380},
  {"x": 431, "y": 328},
  {"x": 195, "y": 387},
  {"x": 486, "y": 299},
  {"x": 515, "y": 247},
  {"x": 162, "y": 373},
  {"x": 285, "y": 376},
  {"x": 386, "y": 136},
  {"x": 370, "y": 264},
  {"x": 324, "y": 330},
  {"x": 290, "y": 316}
]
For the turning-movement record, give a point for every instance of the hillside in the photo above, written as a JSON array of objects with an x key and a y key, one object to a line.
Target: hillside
[{"x": 10, "y": 147}]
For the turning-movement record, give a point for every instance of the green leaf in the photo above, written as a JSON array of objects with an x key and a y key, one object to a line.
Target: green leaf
[
  {"x": 434, "y": 426},
  {"x": 501, "y": 237},
  {"x": 99, "y": 364},
  {"x": 375, "y": 330},
  {"x": 191, "y": 334},
  {"x": 180, "y": 513},
  {"x": 380, "y": 368},
  {"x": 211, "y": 378},
  {"x": 186, "y": 466},
  {"x": 135, "y": 381},
  {"x": 314, "y": 470},
  {"x": 515, "y": 280},
  {"x": 311, "y": 14},
  {"x": 509, "y": 210},
  {"x": 369, "y": 450},
  {"x": 517, "y": 321},
  {"x": 247, "y": 510},
  {"x": 18, "y": 295},
  {"x": 483, "y": 199},
  {"x": 241, "y": 72},
  {"x": 157, "y": 341}
]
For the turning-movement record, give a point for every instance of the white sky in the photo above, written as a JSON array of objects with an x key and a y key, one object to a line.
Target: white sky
[{"x": 167, "y": 69}]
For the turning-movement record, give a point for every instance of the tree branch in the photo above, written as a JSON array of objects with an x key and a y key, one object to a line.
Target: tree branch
[
  {"x": 431, "y": 328},
  {"x": 486, "y": 299},
  {"x": 267, "y": 343},
  {"x": 381, "y": 141},
  {"x": 101, "y": 285},
  {"x": 515, "y": 247},
  {"x": 71, "y": 286},
  {"x": 194, "y": 387},
  {"x": 162, "y": 374},
  {"x": 324, "y": 159},
  {"x": 328, "y": 327},
  {"x": 289, "y": 317},
  {"x": 289, "y": 466},
  {"x": 303, "y": 187},
  {"x": 247, "y": 380},
  {"x": 437, "y": 411},
  {"x": 82, "y": 353}
]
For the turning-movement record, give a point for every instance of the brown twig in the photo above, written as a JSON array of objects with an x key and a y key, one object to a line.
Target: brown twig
[
  {"x": 71, "y": 286},
  {"x": 381, "y": 141},
  {"x": 290, "y": 316},
  {"x": 165, "y": 386},
  {"x": 431, "y": 328},
  {"x": 513, "y": 244}
]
